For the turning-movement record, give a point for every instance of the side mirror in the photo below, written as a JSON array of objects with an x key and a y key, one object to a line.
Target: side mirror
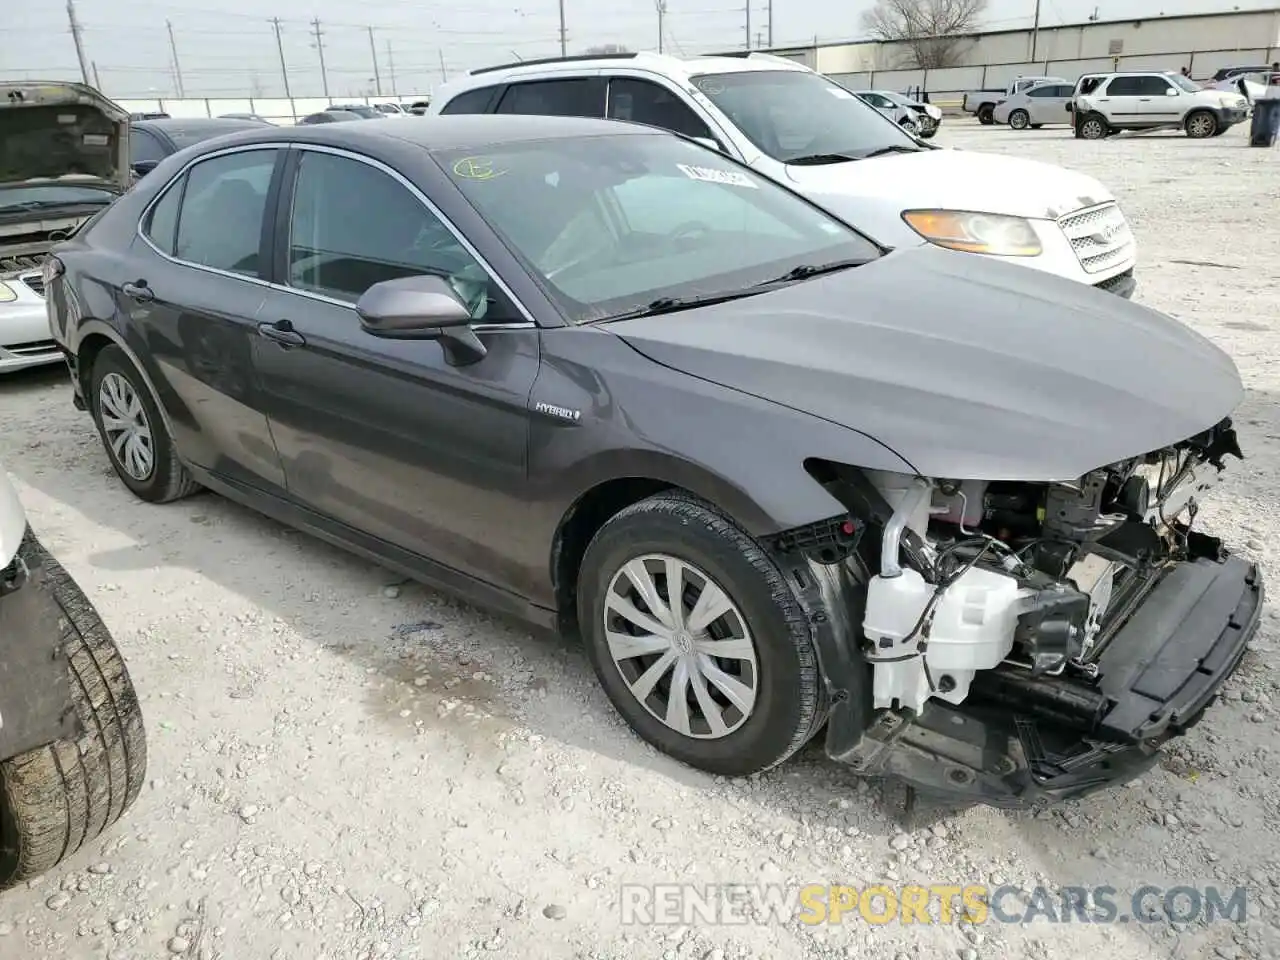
[
  {"x": 143, "y": 167},
  {"x": 421, "y": 308}
]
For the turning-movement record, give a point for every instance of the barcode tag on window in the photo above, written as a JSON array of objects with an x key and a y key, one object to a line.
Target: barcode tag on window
[{"x": 712, "y": 175}]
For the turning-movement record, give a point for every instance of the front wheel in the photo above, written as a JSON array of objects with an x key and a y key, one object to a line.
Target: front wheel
[
  {"x": 56, "y": 799},
  {"x": 697, "y": 639},
  {"x": 1019, "y": 120},
  {"x": 1201, "y": 124},
  {"x": 910, "y": 127}
]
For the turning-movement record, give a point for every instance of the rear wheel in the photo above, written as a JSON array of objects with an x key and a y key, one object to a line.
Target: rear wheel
[
  {"x": 1019, "y": 120},
  {"x": 58, "y": 798},
  {"x": 697, "y": 639},
  {"x": 986, "y": 114},
  {"x": 133, "y": 431},
  {"x": 1093, "y": 127},
  {"x": 1201, "y": 124}
]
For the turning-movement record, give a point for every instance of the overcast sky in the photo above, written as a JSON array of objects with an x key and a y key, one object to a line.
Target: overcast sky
[{"x": 227, "y": 47}]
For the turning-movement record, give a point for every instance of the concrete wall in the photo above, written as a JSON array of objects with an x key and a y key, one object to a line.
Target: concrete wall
[{"x": 276, "y": 109}]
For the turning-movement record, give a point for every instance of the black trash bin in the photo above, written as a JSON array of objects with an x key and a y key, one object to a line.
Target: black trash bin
[{"x": 1265, "y": 128}]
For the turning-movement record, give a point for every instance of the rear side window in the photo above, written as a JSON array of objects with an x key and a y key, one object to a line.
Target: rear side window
[
  {"x": 579, "y": 97},
  {"x": 471, "y": 101},
  {"x": 1042, "y": 92},
  {"x": 161, "y": 225},
  {"x": 1125, "y": 87},
  {"x": 220, "y": 222},
  {"x": 643, "y": 102}
]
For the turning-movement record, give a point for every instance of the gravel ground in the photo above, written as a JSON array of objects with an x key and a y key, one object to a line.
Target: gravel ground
[{"x": 346, "y": 766}]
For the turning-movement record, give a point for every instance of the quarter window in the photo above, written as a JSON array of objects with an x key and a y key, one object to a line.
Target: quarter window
[
  {"x": 579, "y": 97},
  {"x": 162, "y": 223},
  {"x": 352, "y": 226},
  {"x": 643, "y": 102},
  {"x": 220, "y": 224}
]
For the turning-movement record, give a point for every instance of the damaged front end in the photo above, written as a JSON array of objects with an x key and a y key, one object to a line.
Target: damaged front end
[{"x": 1028, "y": 641}]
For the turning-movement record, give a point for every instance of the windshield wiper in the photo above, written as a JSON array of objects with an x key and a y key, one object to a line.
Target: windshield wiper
[
  {"x": 818, "y": 159},
  {"x": 674, "y": 304},
  {"x": 892, "y": 148},
  {"x": 806, "y": 270}
]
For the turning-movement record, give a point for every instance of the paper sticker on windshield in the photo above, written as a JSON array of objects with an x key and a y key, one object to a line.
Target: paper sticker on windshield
[
  {"x": 712, "y": 175},
  {"x": 477, "y": 168},
  {"x": 840, "y": 93},
  {"x": 96, "y": 139}
]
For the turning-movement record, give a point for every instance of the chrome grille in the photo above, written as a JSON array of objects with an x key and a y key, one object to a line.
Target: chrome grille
[{"x": 1100, "y": 236}]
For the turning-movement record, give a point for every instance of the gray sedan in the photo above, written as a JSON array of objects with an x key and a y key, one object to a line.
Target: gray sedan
[
  {"x": 775, "y": 477},
  {"x": 1036, "y": 106}
]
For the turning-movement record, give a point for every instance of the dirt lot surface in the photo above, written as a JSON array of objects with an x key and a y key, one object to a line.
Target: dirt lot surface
[{"x": 346, "y": 766}]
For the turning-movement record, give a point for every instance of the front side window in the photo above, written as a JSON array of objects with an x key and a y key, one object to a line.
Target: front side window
[
  {"x": 799, "y": 116},
  {"x": 1046, "y": 91},
  {"x": 610, "y": 224},
  {"x": 220, "y": 223},
  {"x": 579, "y": 97},
  {"x": 352, "y": 226},
  {"x": 641, "y": 101}
]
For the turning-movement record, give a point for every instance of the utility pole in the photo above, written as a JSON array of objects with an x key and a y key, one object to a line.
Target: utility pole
[
  {"x": 770, "y": 9},
  {"x": 564, "y": 36},
  {"x": 79, "y": 40},
  {"x": 662, "y": 10},
  {"x": 324, "y": 74},
  {"x": 284, "y": 72},
  {"x": 444, "y": 77},
  {"x": 96, "y": 82},
  {"x": 373, "y": 51},
  {"x": 748, "y": 24},
  {"x": 1035, "y": 32},
  {"x": 177, "y": 68},
  {"x": 391, "y": 69}
]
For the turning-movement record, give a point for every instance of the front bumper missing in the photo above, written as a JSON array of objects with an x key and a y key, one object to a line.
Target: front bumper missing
[{"x": 1157, "y": 676}]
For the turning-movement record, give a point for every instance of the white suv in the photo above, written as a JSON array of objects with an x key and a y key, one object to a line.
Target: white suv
[
  {"x": 814, "y": 136},
  {"x": 1111, "y": 102}
]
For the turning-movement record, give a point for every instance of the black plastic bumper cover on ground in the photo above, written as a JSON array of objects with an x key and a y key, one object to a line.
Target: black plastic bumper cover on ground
[{"x": 35, "y": 689}]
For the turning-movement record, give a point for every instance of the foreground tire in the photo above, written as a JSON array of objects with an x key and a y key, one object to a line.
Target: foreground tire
[
  {"x": 1200, "y": 124},
  {"x": 133, "y": 431},
  {"x": 1093, "y": 127},
  {"x": 735, "y": 648},
  {"x": 58, "y": 798},
  {"x": 1019, "y": 119}
]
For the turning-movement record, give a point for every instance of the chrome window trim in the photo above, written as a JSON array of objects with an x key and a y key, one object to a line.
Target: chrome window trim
[{"x": 526, "y": 324}]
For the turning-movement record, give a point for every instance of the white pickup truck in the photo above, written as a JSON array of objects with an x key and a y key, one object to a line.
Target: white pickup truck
[{"x": 983, "y": 102}]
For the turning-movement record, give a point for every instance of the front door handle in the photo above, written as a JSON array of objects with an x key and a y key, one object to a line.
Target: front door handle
[
  {"x": 282, "y": 332},
  {"x": 138, "y": 290}
]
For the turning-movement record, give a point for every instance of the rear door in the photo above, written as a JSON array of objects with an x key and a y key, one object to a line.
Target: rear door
[
  {"x": 1046, "y": 104},
  {"x": 200, "y": 269}
]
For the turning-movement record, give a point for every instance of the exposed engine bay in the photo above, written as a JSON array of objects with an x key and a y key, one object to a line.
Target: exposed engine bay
[
  {"x": 24, "y": 247},
  {"x": 1032, "y": 579},
  {"x": 1033, "y": 639}
]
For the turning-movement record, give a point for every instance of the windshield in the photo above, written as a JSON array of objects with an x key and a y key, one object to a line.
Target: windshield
[
  {"x": 612, "y": 224},
  {"x": 51, "y": 195},
  {"x": 1178, "y": 80},
  {"x": 793, "y": 114}
]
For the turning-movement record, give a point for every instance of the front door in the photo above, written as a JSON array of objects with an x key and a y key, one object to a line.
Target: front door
[
  {"x": 384, "y": 436},
  {"x": 192, "y": 291}
]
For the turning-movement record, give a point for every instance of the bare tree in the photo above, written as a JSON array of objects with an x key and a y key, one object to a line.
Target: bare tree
[
  {"x": 605, "y": 48},
  {"x": 933, "y": 30}
]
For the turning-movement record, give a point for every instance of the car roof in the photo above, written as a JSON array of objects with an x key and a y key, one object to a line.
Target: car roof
[
  {"x": 201, "y": 127},
  {"x": 681, "y": 68},
  {"x": 447, "y": 133}
]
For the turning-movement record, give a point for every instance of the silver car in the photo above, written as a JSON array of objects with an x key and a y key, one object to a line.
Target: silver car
[
  {"x": 1036, "y": 106},
  {"x": 926, "y": 116},
  {"x": 902, "y": 116}
]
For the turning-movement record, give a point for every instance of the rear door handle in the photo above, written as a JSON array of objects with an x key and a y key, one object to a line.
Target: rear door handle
[
  {"x": 138, "y": 291},
  {"x": 282, "y": 332}
]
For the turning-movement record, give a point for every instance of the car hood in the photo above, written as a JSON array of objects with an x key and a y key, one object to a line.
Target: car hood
[
  {"x": 967, "y": 368},
  {"x": 947, "y": 179},
  {"x": 59, "y": 130}
]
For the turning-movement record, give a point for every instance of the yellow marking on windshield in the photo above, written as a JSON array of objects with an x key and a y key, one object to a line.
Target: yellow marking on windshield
[{"x": 477, "y": 168}]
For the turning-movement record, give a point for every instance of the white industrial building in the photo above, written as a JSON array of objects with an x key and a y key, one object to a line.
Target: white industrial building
[{"x": 1201, "y": 42}]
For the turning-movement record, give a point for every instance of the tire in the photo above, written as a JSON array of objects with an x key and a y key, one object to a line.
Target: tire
[
  {"x": 1200, "y": 124},
  {"x": 929, "y": 134},
  {"x": 1093, "y": 127},
  {"x": 1036, "y": 126},
  {"x": 1019, "y": 119},
  {"x": 910, "y": 127},
  {"x": 986, "y": 114},
  {"x": 166, "y": 479},
  {"x": 789, "y": 703},
  {"x": 61, "y": 797}
]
